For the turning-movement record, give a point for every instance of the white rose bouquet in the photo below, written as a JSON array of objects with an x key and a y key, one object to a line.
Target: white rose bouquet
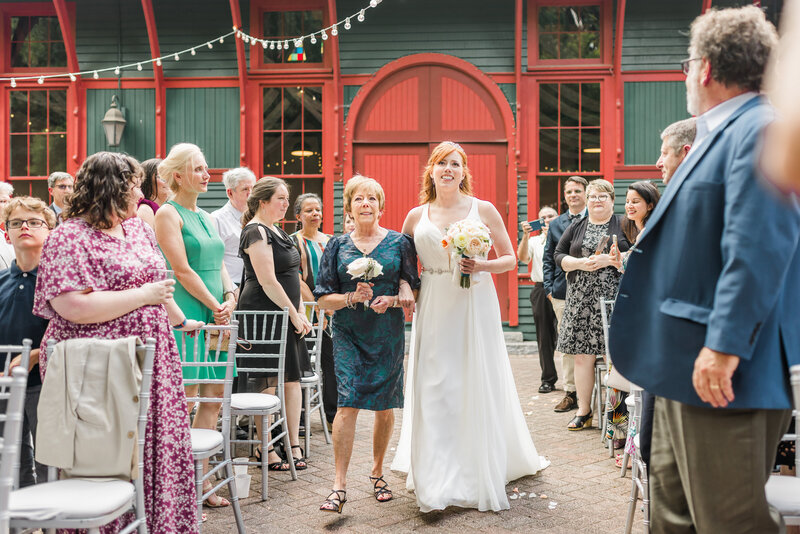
[
  {"x": 364, "y": 268},
  {"x": 467, "y": 238}
]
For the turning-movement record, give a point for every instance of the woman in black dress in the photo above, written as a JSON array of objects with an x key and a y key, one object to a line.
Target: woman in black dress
[{"x": 272, "y": 282}]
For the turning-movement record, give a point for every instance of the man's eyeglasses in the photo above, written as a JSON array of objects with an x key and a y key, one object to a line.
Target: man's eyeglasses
[
  {"x": 15, "y": 224},
  {"x": 64, "y": 187},
  {"x": 686, "y": 62},
  {"x": 600, "y": 198}
]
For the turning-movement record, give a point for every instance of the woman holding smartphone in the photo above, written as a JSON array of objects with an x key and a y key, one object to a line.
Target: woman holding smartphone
[{"x": 586, "y": 252}]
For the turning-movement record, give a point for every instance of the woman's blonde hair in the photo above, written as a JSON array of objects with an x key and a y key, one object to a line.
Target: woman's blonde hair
[
  {"x": 179, "y": 160},
  {"x": 362, "y": 183},
  {"x": 600, "y": 186},
  {"x": 442, "y": 150}
]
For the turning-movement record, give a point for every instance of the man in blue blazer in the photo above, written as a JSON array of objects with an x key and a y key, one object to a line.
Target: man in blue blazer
[{"x": 704, "y": 318}]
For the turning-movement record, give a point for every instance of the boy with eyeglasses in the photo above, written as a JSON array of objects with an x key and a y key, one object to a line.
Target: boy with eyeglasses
[{"x": 28, "y": 222}]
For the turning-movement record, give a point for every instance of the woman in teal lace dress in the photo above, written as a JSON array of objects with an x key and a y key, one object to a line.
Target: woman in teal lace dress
[
  {"x": 193, "y": 249},
  {"x": 368, "y": 329}
]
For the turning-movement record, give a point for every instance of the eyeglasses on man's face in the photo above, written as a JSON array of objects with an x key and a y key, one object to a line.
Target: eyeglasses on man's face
[
  {"x": 64, "y": 187},
  {"x": 15, "y": 224},
  {"x": 686, "y": 62},
  {"x": 598, "y": 198}
]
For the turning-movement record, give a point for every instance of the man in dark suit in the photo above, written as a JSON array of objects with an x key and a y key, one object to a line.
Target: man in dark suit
[
  {"x": 704, "y": 318},
  {"x": 555, "y": 282}
]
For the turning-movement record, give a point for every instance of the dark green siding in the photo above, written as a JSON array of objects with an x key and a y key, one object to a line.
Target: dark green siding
[
  {"x": 649, "y": 108},
  {"x": 473, "y": 31},
  {"x": 338, "y": 204},
  {"x": 526, "y": 325},
  {"x": 138, "y": 139},
  {"x": 349, "y": 93},
  {"x": 656, "y": 34},
  {"x": 214, "y": 198},
  {"x": 209, "y": 118}
]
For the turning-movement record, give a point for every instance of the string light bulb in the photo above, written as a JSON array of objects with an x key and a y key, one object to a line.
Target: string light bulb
[
  {"x": 272, "y": 45},
  {"x": 72, "y": 77},
  {"x": 280, "y": 45},
  {"x": 313, "y": 39},
  {"x": 298, "y": 43},
  {"x": 221, "y": 40},
  {"x": 194, "y": 52},
  {"x": 361, "y": 16},
  {"x": 286, "y": 44},
  {"x": 264, "y": 44},
  {"x": 210, "y": 46},
  {"x": 40, "y": 81},
  {"x": 373, "y": 3},
  {"x": 116, "y": 71},
  {"x": 177, "y": 57},
  {"x": 347, "y": 24},
  {"x": 324, "y": 36},
  {"x": 13, "y": 82},
  {"x": 138, "y": 66},
  {"x": 95, "y": 75},
  {"x": 334, "y": 31},
  {"x": 158, "y": 62}
]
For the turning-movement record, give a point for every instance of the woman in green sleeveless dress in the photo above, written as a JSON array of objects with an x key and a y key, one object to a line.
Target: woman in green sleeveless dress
[{"x": 193, "y": 249}]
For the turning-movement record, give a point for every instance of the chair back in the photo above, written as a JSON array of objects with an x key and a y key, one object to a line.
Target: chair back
[
  {"x": 265, "y": 333},
  {"x": 795, "y": 380},
  {"x": 210, "y": 360},
  {"x": 11, "y": 351},
  {"x": 606, "y": 309},
  {"x": 12, "y": 395},
  {"x": 146, "y": 356},
  {"x": 314, "y": 338}
]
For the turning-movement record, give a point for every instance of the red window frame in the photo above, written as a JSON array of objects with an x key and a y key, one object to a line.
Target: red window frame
[
  {"x": 606, "y": 31},
  {"x": 48, "y": 133},
  {"x": 257, "y": 10},
  {"x": 27, "y": 9}
]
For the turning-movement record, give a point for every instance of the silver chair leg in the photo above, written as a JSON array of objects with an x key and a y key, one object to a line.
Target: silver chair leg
[
  {"x": 322, "y": 416},
  {"x": 198, "y": 482},
  {"x": 237, "y": 512},
  {"x": 307, "y": 420},
  {"x": 288, "y": 445},
  {"x": 264, "y": 456},
  {"x": 624, "y": 469},
  {"x": 632, "y": 500}
]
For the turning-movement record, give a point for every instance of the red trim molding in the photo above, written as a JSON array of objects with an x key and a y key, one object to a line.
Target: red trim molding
[
  {"x": 636, "y": 172},
  {"x": 236, "y": 17},
  {"x": 158, "y": 74},
  {"x": 76, "y": 93}
]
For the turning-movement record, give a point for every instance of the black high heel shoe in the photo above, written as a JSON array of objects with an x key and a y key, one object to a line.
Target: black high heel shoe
[
  {"x": 580, "y": 422},
  {"x": 299, "y": 463},
  {"x": 335, "y": 501},
  {"x": 280, "y": 465}
]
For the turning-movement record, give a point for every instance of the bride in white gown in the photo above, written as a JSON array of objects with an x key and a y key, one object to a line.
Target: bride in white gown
[{"x": 463, "y": 436}]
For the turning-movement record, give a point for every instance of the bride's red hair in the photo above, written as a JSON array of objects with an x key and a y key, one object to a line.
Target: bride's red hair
[{"x": 442, "y": 150}]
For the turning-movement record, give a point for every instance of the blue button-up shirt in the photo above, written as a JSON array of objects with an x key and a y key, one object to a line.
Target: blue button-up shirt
[{"x": 17, "y": 320}]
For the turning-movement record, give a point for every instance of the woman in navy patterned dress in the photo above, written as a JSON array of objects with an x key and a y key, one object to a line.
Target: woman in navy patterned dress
[{"x": 368, "y": 329}]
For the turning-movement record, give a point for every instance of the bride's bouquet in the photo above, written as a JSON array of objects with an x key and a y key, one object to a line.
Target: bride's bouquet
[
  {"x": 467, "y": 238},
  {"x": 365, "y": 269}
]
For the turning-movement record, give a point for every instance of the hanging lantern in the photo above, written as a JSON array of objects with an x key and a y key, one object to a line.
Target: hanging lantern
[{"x": 113, "y": 123}]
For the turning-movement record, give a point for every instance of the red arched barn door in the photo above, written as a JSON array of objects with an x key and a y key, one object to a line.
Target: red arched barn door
[{"x": 397, "y": 120}]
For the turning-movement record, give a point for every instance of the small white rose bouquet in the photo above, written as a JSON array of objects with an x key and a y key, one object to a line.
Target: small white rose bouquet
[
  {"x": 365, "y": 269},
  {"x": 467, "y": 238}
]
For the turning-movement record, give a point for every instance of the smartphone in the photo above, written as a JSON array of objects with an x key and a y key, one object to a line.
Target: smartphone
[
  {"x": 536, "y": 225},
  {"x": 601, "y": 246}
]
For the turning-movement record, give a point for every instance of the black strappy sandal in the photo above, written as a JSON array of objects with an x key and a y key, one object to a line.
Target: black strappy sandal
[
  {"x": 380, "y": 491},
  {"x": 335, "y": 504},
  {"x": 300, "y": 463},
  {"x": 280, "y": 465},
  {"x": 580, "y": 422}
]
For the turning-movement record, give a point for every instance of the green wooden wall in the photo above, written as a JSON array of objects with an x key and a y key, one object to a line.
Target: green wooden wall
[
  {"x": 473, "y": 31},
  {"x": 214, "y": 198},
  {"x": 649, "y": 108},
  {"x": 209, "y": 118},
  {"x": 138, "y": 139}
]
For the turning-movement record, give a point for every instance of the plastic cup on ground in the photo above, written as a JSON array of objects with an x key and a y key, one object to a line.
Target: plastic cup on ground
[
  {"x": 240, "y": 466},
  {"x": 243, "y": 486}
]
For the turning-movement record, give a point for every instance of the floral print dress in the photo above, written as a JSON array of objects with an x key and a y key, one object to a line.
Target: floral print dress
[{"x": 77, "y": 257}]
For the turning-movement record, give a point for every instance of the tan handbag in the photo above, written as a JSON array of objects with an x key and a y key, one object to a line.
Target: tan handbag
[{"x": 214, "y": 341}]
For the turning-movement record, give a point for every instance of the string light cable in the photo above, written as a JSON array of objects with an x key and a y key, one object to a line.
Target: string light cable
[{"x": 280, "y": 44}]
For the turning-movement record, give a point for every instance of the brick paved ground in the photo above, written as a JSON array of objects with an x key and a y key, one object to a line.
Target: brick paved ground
[{"x": 582, "y": 481}]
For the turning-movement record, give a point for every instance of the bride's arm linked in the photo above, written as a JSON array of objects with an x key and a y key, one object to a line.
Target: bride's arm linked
[{"x": 505, "y": 260}]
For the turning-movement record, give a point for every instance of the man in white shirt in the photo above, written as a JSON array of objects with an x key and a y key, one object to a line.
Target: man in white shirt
[
  {"x": 239, "y": 184},
  {"x": 531, "y": 251}
]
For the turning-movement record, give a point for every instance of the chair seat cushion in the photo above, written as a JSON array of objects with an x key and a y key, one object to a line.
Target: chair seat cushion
[
  {"x": 783, "y": 492},
  {"x": 71, "y": 499},
  {"x": 205, "y": 440},
  {"x": 312, "y": 379},
  {"x": 254, "y": 401}
]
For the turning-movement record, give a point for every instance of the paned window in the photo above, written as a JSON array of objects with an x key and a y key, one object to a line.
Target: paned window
[
  {"x": 36, "y": 42},
  {"x": 292, "y": 137},
  {"x": 569, "y": 32},
  {"x": 38, "y": 131},
  {"x": 569, "y": 136},
  {"x": 286, "y": 25}
]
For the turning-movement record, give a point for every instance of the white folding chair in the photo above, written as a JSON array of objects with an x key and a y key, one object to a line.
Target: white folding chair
[
  {"x": 312, "y": 385},
  {"x": 265, "y": 333},
  {"x": 88, "y": 503},
  {"x": 639, "y": 481},
  {"x": 206, "y": 442},
  {"x": 10, "y": 352},
  {"x": 783, "y": 492},
  {"x": 12, "y": 395}
]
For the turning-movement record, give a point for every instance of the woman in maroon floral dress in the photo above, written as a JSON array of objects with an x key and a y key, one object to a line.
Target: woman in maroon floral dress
[{"x": 96, "y": 280}]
